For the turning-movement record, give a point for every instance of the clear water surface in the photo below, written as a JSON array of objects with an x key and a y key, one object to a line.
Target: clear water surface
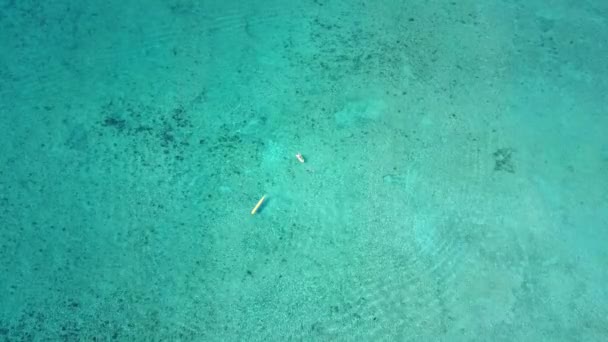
[{"x": 455, "y": 186}]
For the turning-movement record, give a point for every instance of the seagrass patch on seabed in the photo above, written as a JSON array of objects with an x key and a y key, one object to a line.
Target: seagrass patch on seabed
[{"x": 503, "y": 160}]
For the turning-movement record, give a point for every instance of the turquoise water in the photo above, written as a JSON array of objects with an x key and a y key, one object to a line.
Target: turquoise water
[{"x": 455, "y": 186}]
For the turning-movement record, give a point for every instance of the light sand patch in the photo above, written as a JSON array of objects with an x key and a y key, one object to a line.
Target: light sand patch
[{"x": 358, "y": 111}]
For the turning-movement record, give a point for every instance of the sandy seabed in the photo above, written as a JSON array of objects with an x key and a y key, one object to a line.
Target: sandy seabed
[{"x": 454, "y": 187}]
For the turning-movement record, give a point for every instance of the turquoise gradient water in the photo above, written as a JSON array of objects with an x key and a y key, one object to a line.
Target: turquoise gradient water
[{"x": 455, "y": 186}]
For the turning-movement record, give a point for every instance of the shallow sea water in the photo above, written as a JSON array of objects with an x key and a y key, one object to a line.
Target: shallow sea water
[{"x": 455, "y": 186}]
